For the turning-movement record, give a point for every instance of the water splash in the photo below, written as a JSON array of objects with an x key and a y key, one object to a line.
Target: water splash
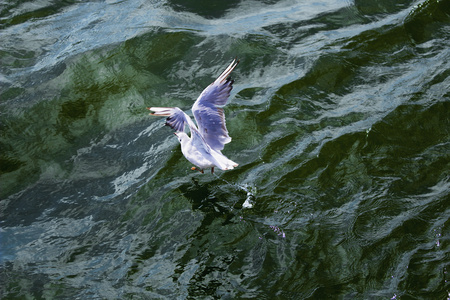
[
  {"x": 248, "y": 189},
  {"x": 250, "y": 200},
  {"x": 278, "y": 231}
]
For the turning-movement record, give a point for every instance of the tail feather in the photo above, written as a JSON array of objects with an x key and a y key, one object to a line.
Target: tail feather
[{"x": 222, "y": 161}]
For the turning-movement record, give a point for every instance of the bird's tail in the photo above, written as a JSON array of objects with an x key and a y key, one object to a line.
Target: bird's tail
[{"x": 223, "y": 162}]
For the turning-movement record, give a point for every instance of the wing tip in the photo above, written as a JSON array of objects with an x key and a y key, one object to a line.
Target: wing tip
[
  {"x": 228, "y": 70},
  {"x": 161, "y": 111}
]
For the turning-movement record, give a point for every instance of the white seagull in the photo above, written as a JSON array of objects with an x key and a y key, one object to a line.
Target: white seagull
[{"x": 203, "y": 148}]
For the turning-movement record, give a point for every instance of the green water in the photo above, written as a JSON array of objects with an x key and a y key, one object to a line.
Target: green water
[{"x": 339, "y": 117}]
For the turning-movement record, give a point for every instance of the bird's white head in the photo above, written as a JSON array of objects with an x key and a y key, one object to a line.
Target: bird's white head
[{"x": 182, "y": 137}]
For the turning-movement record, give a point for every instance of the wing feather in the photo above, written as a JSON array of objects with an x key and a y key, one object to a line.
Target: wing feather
[
  {"x": 176, "y": 118},
  {"x": 211, "y": 118}
]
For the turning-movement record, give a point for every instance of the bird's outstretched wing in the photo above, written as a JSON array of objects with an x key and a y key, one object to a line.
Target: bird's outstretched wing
[
  {"x": 211, "y": 118},
  {"x": 176, "y": 118}
]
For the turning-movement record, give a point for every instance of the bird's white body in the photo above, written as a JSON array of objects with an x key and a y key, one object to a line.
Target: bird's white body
[
  {"x": 203, "y": 147},
  {"x": 201, "y": 155}
]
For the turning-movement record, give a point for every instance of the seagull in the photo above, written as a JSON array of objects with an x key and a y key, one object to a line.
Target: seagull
[{"x": 203, "y": 148}]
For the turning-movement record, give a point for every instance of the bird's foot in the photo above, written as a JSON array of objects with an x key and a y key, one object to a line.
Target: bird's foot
[
  {"x": 212, "y": 170},
  {"x": 194, "y": 168}
]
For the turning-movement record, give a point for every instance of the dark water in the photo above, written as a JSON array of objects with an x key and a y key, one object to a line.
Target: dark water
[{"x": 340, "y": 123}]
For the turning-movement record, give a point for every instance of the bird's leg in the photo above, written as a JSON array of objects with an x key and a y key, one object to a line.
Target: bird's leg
[
  {"x": 212, "y": 170},
  {"x": 194, "y": 168}
]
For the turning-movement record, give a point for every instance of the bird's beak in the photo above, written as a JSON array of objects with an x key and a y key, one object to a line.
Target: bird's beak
[{"x": 175, "y": 133}]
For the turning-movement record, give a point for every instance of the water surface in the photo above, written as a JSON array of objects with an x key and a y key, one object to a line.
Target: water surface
[{"x": 340, "y": 124}]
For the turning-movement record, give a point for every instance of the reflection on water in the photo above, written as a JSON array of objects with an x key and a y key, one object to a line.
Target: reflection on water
[{"x": 339, "y": 120}]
